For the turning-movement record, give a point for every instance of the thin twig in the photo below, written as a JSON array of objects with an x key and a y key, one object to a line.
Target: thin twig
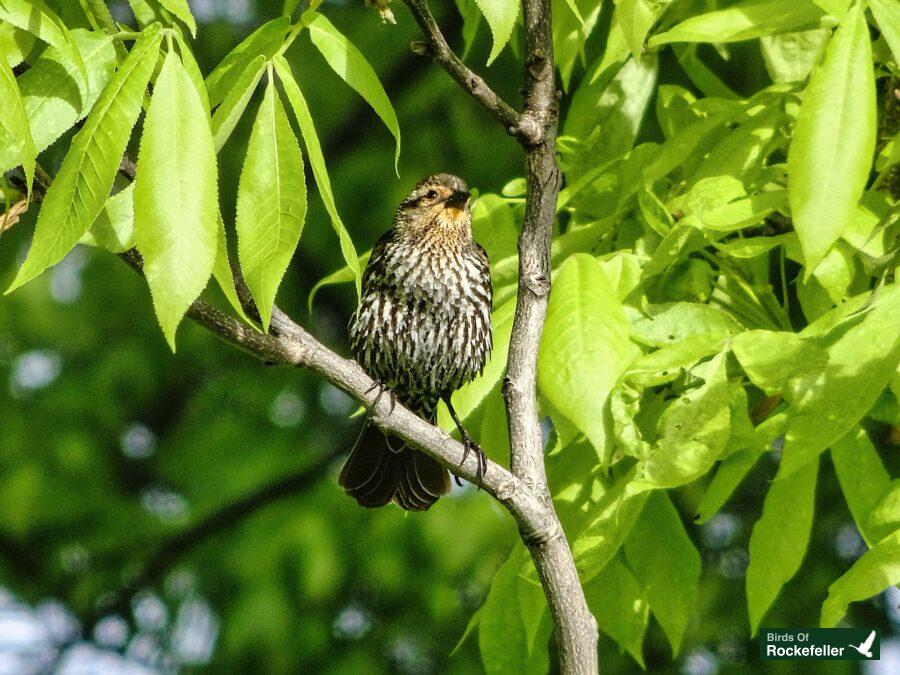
[{"x": 436, "y": 47}]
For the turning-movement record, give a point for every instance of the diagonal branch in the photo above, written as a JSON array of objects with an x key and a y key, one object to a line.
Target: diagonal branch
[{"x": 437, "y": 48}]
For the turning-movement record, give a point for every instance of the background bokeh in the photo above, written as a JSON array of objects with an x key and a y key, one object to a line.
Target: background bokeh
[{"x": 215, "y": 476}]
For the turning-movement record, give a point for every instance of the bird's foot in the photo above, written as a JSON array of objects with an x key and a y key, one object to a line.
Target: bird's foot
[
  {"x": 381, "y": 387},
  {"x": 469, "y": 446}
]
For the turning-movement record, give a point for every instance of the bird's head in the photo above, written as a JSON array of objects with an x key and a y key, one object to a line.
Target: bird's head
[{"x": 437, "y": 207}]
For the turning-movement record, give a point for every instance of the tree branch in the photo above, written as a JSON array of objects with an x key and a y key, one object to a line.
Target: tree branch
[
  {"x": 576, "y": 629},
  {"x": 437, "y": 48},
  {"x": 288, "y": 344}
]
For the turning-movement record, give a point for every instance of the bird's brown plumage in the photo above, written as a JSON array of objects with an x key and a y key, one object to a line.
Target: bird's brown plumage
[{"x": 422, "y": 329}]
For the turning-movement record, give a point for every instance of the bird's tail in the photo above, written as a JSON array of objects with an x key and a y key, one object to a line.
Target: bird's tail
[{"x": 375, "y": 474}]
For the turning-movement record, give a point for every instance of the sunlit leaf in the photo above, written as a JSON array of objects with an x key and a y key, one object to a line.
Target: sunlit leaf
[
  {"x": 831, "y": 153},
  {"x": 113, "y": 229},
  {"x": 176, "y": 197},
  {"x": 83, "y": 183},
  {"x": 826, "y": 403},
  {"x": 736, "y": 466},
  {"x": 15, "y": 44},
  {"x": 693, "y": 430},
  {"x": 43, "y": 23},
  {"x": 863, "y": 478},
  {"x": 319, "y": 170},
  {"x": 55, "y": 95},
  {"x": 790, "y": 57},
  {"x": 264, "y": 41},
  {"x": 744, "y": 20},
  {"x": 875, "y": 571},
  {"x": 585, "y": 346},
  {"x": 666, "y": 565},
  {"x": 182, "y": 12},
  {"x": 229, "y": 112},
  {"x": 887, "y": 14},
  {"x": 271, "y": 205},
  {"x": 619, "y": 603},
  {"x": 772, "y": 358},
  {"x": 779, "y": 540},
  {"x": 14, "y": 122},
  {"x": 501, "y": 17},
  {"x": 349, "y": 63}
]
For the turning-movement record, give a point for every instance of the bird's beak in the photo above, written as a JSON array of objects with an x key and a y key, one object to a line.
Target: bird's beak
[{"x": 458, "y": 200}]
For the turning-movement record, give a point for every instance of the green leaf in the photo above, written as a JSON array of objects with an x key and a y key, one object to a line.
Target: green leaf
[
  {"x": 229, "y": 113},
  {"x": 349, "y": 63},
  {"x": 14, "y": 122},
  {"x": 863, "y": 478},
  {"x": 494, "y": 226},
  {"x": 36, "y": 18},
  {"x": 54, "y": 97},
  {"x": 501, "y": 17},
  {"x": 264, "y": 41},
  {"x": 666, "y": 565},
  {"x": 502, "y": 637},
  {"x": 224, "y": 276},
  {"x": 182, "y": 12},
  {"x": 114, "y": 227},
  {"x": 83, "y": 183},
  {"x": 771, "y": 358},
  {"x": 619, "y": 603},
  {"x": 192, "y": 68},
  {"x": 738, "y": 214},
  {"x": 607, "y": 117},
  {"x": 15, "y": 44},
  {"x": 885, "y": 516},
  {"x": 887, "y": 14},
  {"x": 836, "y": 8},
  {"x": 571, "y": 32},
  {"x": 271, "y": 205},
  {"x": 753, "y": 247},
  {"x": 175, "y": 196},
  {"x": 736, "y": 466},
  {"x": 744, "y": 20},
  {"x": 636, "y": 17},
  {"x": 780, "y": 539},
  {"x": 674, "y": 322},
  {"x": 319, "y": 170},
  {"x": 344, "y": 275},
  {"x": 875, "y": 571},
  {"x": 585, "y": 346},
  {"x": 790, "y": 57},
  {"x": 471, "y": 18},
  {"x": 743, "y": 151},
  {"x": 827, "y": 403},
  {"x": 693, "y": 431},
  {"x": 668, "y": 362},
  {"x": 613, "y": 516},
  {"x": 834, "y": 139}
]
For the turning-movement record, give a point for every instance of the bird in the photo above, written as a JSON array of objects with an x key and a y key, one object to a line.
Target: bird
[
  {"x": 865, "y": 648},
  {"x": 421, "y": 331}
]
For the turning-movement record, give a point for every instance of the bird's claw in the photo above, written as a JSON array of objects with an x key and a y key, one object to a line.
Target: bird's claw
[
  {"x": 382, "y": 388},
  {"x": 470, "y": 445}
]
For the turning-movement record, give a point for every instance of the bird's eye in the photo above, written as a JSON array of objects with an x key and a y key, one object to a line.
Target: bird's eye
[{"x": 431, "y": 194}]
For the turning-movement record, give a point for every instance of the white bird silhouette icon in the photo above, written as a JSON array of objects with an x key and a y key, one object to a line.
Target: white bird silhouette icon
[{"x": 865, "y": 647}]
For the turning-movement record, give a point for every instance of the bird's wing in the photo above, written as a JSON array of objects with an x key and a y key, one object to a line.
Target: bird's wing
[{"x": 869, "y": 640}]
